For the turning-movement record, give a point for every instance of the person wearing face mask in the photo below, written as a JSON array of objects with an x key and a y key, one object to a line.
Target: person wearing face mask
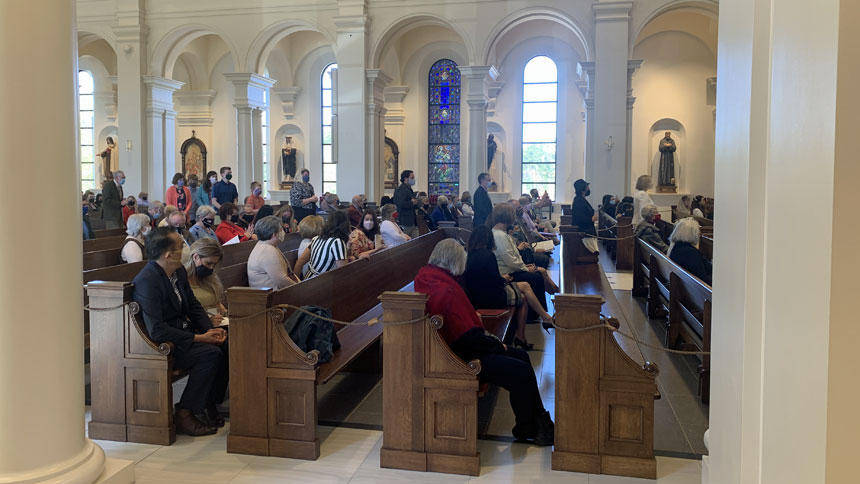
[
  {"x": 442, "y": 213},
  {"x": 246, "y": 216},
  {"x": 228, "y": 228},
  {"x": 405, "y": 201},
  {"x": 225, "y": 191},
  {"x": 256, "y": 198},
  {"x": 114, "y": 200},
  {"x": 202, "y": 229},
  {"x": 206, "y": 254},
  {"x": 267, "y": 266},
  {"x": 302, "y": 197},
  {"x": 173, "y": 314},
  {"x": 392, "y": 235},
  {"x": 583, "y": 214},
  {"x": 178, "y": 195},
  {"x": 133, "y": 247},
  {"x": 128, "y": 210},
  {"x": 360, "y": 244},
  {"x": 609, "y": 205},
  {"x": 89, "y": 200},
  {"x": 647, "y": 229},
  {"x": 422, "y": 214},
  {"x": 482, "y": 204},
  {"x": 203, "y": 195},
  {"x": 193, "y": 188},
  {"x": 156, "y": 212},
  {"x": 142, "y": 202},
  {"x": 466, "y": 205},
  {"x": 355, "y": 210},
  {"x": 285, "y": 213},
  {"x": 176, "y": 221}
]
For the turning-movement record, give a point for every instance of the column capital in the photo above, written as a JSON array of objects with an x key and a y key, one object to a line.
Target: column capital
[
  {"x": 250, "y": 88},
  {"x": 479, "y": 72},
  {"x": 159, "y": 93},
  {"x": 347, "y": 24},
  {"x": 376, "y": 83},
  {"x": 395, "y": 94},
  {"x": 195, "y": 107},
  {"x": 612, "y": 11},
  {"x": 476, "y": 86},
  {"x": 155, "y": 82}
]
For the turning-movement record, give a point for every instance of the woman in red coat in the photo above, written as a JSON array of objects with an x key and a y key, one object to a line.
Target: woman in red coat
[
  {"x": 179, "y": 195},
  {"x": 228, "y": 229},
  {"x": 509, "y": 368}
]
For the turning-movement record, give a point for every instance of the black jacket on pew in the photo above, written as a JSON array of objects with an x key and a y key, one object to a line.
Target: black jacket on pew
[
  {"x": 689, "y": 257},
  {"x": 166, "y": 317}
]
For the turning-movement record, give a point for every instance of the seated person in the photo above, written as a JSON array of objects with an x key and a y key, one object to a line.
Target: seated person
[
  {"x": 648, "y": 231},
  {"x": 385, "y": 200},
  {"x": 285, "y": 212},
  {"x": 176, "y": 221},
  {"x": 531, "y": 230},
  {"x": 172, "y": 313},
  {"x": 206, "y": 253},
  {"x": 361, "y": 240},
  {"x": 267, "y": 266},
  {"x": 156, "y": 211},
  {"x": 129, "y": 209},
  {"x": 309, "y": 228},
  {"x": 625, "y": 208},
  {"x": 264, "y": 211},
  {"x": 246, "y": 218},
  {"x": 228, "y": 229},
  {"x": 205, "y": 220},
  {"x": 421, "y": 213},
  {"x": 168, "y": 209},
  {"x": 466, "y": 204},
  {"x": 356, "y": 209},
  {"x": 133, "y": 247},
  {"x": 610, "y": 203},
  {"x": 684, "y": 250},
  {"x": 487, "y": 289},
  {"x": 509, "y": 368},
  {"x": 684, "y": 208},
  {"x": 441, "y": 213},
  {"x": 454, "y": 205},
  {"x": 327, "y": 250},
  {"x": 698, "y": 206},
  {"x": 142, "y": 202},
  {"x": 392, "y": 235},
  {"x": 329, "y": 203}
]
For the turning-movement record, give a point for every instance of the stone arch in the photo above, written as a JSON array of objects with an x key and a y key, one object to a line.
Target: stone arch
[
  {"x": 197, "y": 72},
  {"x": 709, "y": 8},
  {"x": 266, "y": 41},
  {"x": 90, "y": 34},
  {"x": 410, "y": 22},
  {"x": 586, "y": 50},
  {"x": 171, "y": 46}
]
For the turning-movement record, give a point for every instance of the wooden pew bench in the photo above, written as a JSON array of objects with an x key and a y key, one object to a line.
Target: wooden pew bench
[
  {"x": 604, "y": 387},
  {"x": 104, "y": 243},
  {"x": 706, "y": 246},
  {"x": 273, "y": 406},
  {"x": 104, "y": 233}
]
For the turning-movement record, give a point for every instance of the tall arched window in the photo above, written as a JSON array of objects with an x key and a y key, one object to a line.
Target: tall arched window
[
  {"x": 86, "y": 103},
  {"x": 443, "y": 132},
  {"x": 540, "y": 117},
  {"x": 264, "y": 118},
  {"x": 329, "y": 167}
]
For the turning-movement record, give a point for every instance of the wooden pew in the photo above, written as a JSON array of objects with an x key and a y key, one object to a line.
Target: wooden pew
[
  {"x": 706, "y": 246},
  {"x": 659, "y": 270},
  {"x": 104, "y": 233},
  {"x": 273, "y": 382},
  {"x": 573, "y": 249},
  {"x": 102, "y": 258},
  {"x": 707, "y": 225},
  {"x": 604, "y": 387},
  {"x": 104, "y": 243},
  {"x": 566, "y": 215},
  {"x": 464, "y": 222},
  {"x": 624, "y": 247}
]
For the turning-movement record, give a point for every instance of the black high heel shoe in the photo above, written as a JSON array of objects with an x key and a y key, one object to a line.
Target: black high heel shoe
[
  {"x": 518, "y": 343},
  {"x": 548, "y": 325}
]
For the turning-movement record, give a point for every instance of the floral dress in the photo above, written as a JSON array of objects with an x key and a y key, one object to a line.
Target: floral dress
[{"x": 358, "y": 243}]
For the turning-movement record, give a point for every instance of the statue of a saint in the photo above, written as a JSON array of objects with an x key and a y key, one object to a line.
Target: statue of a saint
[
  {"x": 491, "y": 150},
  {"x": 667, "y": 161},
  {"x": 288, "y": 159},
  {"x": 110, "y": 160}
]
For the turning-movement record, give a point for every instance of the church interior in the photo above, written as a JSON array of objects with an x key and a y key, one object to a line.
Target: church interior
[{"x": 650, "y": 371}]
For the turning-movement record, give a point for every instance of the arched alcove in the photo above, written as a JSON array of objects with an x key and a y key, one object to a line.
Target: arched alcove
[
  {"x": 679, "y": 134},
  {"x": 298, "y": 142}
]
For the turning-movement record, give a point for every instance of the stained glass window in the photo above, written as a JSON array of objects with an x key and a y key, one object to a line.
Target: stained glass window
[
  {"x": 329, "y": 174},
  {"x": 443, "y": 133},
  {"x": 86, "y": 91},
  {"x": 540, "y": 115}
]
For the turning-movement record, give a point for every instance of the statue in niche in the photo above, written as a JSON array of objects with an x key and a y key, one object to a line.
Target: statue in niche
[
  {"x": 193, "y": 153},
  {"x": 288, "y": 159},
  {"x": 390, "y": 159},
  {"x": 110, "y": 160},
  {"x": 491, "y": 150},
  {"x": 493, "y": 162},
  {"x": 666, "y": 178}
]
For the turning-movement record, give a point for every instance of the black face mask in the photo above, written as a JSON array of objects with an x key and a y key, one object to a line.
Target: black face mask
[
  {"x": 203, "y": 272},
  {"x": 587, "y": 193},
  {"x": 208, "y": 222},
  {"x": 130, "y": 204},
  {"x": 285, "y": 219},
  {"x": 193, "y": 184},
  {"x": 178, "y": 230},
  {"x": 91, "y": 200},
  {"x": 234, "y": 218},
  {"x": 143, "y": 198},
  {"x": 248, "y": 217}
]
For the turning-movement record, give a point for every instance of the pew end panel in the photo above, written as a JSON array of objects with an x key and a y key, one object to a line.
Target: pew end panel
[
  {"x": 624, "y": 246},
  {"x": 606, "y": 424},
  {"x": 430, "y": 408}
]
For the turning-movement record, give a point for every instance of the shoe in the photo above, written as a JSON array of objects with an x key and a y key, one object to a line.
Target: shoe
[
  {"x": 523, "y": 433},
  {"x": 547, "y": 325},
  {"x": 186, "y": 423},
  {"x": 518, "y": 343},
  {"x": 545, "y": 434},
  {"x": 214, "y": 418}
]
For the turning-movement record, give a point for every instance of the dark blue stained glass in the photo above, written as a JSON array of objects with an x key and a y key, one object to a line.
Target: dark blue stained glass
[
  {"x": 444, "y": 73},
  {"x": 444, "y": 134},
  {"x": 446, "y": 189},
  {"x": 445, "y": 173},
  {"x": 445, "y": 114},
  {"x": 444, "y": 95}
]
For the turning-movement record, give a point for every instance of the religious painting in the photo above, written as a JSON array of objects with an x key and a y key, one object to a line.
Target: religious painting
[
  {"x": 390, "y": 162},
  {"x": 443, "y": 131},
  {"x": 193, "y": 153}
]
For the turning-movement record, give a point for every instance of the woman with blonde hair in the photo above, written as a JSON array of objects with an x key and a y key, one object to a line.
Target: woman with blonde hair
[
  {"x": 285, "y": 213},
  {"x": 640, "y": 197},
  {"x": 206, "y": 254}
]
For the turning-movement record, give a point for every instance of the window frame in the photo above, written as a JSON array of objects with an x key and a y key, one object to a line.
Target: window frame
[
  {"x": 328, "y": 185},
  {"x": 87, "y": 183},
  {"x": 526, "y": 186}
]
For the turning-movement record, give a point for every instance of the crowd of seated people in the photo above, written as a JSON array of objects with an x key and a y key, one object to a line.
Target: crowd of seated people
[
  {"x": 362, "y": 239},
  {"x": 327, "y": 251},
  {"x": 229, "y": 229}
]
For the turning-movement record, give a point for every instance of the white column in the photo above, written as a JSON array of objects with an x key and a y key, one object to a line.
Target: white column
[
  {"x": 784, "y": 381},
  {"x": 132, "y": 37},
  {"x": 250, "y": 95},
  {"x": 41, "y": 324},
  {"x": 587, "y": 71},
  {"x": 376, "y": 84},
  {"x": 160, "y": 135},
  {"x": 474, "y": 80},
  {"x": 607, "y": 169},
  {"x": 632, "y": 66},
  {"x": 352, "y": 130}
]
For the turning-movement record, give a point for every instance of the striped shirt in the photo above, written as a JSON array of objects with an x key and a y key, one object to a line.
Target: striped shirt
[{"x": 324, "y": 254}]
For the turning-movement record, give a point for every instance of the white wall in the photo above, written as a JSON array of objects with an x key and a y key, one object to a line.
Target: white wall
[{"x": 671, "y": 84}]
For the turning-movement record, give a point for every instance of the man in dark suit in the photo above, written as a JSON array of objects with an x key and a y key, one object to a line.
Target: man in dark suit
[
  {"x": 483, "y": 205},
  {"x": 113, "y": 201},
  {"x": 404, "y": 199},
  {"x": 172, "y": 313}
]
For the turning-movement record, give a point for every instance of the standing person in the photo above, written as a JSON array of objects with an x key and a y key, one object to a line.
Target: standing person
[
  {"x": 256, "y": 198},
  {"x": 193, "y": 188},
  {"x": 302, "y": 197},
  {"x": 224, "y": 191},
  {"x": 483, "y": 205},
  {"x": 179, "y": 195},
  {"x": 203, "y": 195},
  {"x": 172, "y": 313},
  {"x": 113, "y": 201},
  {"x": 641, "y": 197},
  {"x": 405, "y": 201}
]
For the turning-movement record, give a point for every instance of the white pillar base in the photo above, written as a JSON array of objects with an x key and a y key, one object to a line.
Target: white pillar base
[
  {"x": 117, "y": 471},
  {"x": 85, "y": 468}
]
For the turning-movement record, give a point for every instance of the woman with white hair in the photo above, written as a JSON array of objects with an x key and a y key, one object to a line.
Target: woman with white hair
[
  {"x": 463, "y": 331},
  {"x": 640, "y": 197},
  {"x": 684, "y": 250},
  {"x": 441, "y": 213},
  {"x": 392, "y": 234},
  {"x": 202, "y": 229},
  {"x": 267, "y": 266},
  {"x": 647, "y": 230},
  {"x": 137, "y": 228}
]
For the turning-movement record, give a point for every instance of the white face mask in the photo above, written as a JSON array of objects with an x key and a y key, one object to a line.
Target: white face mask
[
  {"x": 368, "y": 225},
  {"x": 213, "y": 179}
]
